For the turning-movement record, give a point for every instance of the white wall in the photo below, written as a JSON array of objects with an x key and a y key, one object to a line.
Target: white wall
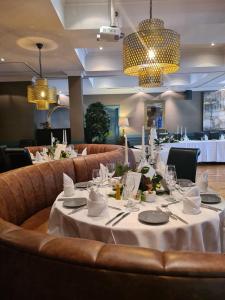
[{"x": 187, "y": 113}]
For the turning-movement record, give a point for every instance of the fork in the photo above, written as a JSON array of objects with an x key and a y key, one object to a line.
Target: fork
[{"x": 176, "y": 216}]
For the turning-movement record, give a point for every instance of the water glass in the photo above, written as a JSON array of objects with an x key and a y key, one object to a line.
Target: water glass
[
  {"x": 128, "y": 192},
  {"x": 111, "y": 169},
  {"x": 96, "y": 177},
  {"x": 171, "y": 180}
]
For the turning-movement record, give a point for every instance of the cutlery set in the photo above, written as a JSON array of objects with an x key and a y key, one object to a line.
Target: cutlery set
[{"x": 122, "y": 215}]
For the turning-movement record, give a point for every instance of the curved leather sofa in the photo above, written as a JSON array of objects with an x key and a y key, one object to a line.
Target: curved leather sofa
[{"x": 35, "y": 265}]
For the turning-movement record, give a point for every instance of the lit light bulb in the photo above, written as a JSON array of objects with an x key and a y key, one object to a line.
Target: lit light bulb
[
  {"x": 42, "y": 94},
  {"x": 151, "y": 54}
]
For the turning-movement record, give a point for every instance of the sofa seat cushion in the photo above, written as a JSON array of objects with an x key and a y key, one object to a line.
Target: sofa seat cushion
[{"x": 39, "y": 221}]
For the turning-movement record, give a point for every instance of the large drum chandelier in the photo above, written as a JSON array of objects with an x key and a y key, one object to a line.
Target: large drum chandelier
[
  {"x": 40, "y": 93},
  {"x": 149, "y": 78},
  {"x": 152, "y": 47}
]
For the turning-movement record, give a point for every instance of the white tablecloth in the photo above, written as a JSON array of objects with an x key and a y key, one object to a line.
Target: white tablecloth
[
  {"x": 211, "y": 151},
  {"x": 203, "y": 233}
]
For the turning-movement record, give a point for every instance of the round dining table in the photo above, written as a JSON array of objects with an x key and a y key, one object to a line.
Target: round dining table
[{"x": 204, "y": 232}]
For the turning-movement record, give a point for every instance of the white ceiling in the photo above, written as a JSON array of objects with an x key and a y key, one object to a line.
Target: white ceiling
[{"x": 72, "y": 25}]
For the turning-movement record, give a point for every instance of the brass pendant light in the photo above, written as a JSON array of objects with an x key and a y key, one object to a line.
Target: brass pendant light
[
  {"x": 152, "y": 48},
  {"x": 40, "y": 93}
]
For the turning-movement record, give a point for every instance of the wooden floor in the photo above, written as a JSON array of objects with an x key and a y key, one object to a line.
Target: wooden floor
[{"x": 216, "y": 176}]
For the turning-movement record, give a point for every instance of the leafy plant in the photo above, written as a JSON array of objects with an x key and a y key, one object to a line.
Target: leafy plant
[{"x": 97, "y": 123}]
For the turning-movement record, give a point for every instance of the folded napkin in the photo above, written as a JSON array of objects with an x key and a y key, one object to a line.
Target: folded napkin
[
  {"x": 160, "y": 168},
  {"x": 73, "y": 153},
  {"x": 202, "y": 182},
  {"x": 222, "y": 137},
  {"x": 38, "y": 156},
  {"x": 44, "y": 151},
  {"x": 32, "y": 156},
  {"x": 192, "y": 201},
  {"x": 68, "y": 186},
  {"x": 185, "y": 138},
  {"x": 97, "y": 204},
  {"x": 206, "y": 137},
  {"x": 84, "y": 152},
  {"x": 145, "y": 164},
  {"x": 103, "y": 172}
]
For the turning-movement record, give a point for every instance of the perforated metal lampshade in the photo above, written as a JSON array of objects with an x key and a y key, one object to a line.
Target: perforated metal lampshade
[
  {"x": 152, "y": 46},
  {"x": 150, "y": 78},
  {"x": 39, "y": 92}
]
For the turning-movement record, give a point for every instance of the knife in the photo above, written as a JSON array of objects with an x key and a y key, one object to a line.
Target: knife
[
  {"x": 179, "y": 218},
  {"x": 210, "y": 207},
  {"x": 119, "y": 214},
  {"x": 124, "y": 216},
  {"x": 113, "y": 207}
]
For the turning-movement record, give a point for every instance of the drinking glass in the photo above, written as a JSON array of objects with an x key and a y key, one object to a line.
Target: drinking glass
[
  {"x": 171, "y": 180},
  {"x": 96, "y": 177},
  {"x": 129, "y": 187},
  {"x": 111, "y": 170}
]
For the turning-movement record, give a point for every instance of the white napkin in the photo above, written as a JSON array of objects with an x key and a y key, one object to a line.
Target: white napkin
[
  {"x": 84, "y": 152},
  {"x": 151, "y": 171},
  {"x": 185, "y": 138},
  {"x": 192, "y": 201},
  {"x": 38, "y": 156},
  {"x": 103, "y": 173},
  {"x": 73, "y": 153},
  {"x": 202, "y": 182},
  {"x": 97, "y": 204},
  {"x": 44, "y": 150},
  {"x": 161, "y": 168},
  {"x": 32, "y": 156},
  {"x": 68, "y": 186},
  {"x": 206, "y": 137},
  {"x": 222, "y": 137}
]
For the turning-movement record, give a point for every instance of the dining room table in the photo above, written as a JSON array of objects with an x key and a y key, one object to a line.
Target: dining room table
[{"x": 204, "y": 232}]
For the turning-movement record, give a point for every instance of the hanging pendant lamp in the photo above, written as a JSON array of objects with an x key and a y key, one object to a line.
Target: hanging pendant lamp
[
  {"x": 152, "y": 47},
  {"x": 148, "y": 79},
  {"x": 39, "y": 92}
]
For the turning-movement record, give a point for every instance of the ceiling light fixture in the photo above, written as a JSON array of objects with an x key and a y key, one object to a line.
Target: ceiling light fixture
[
  {"x": 212, "y": 44},
  {"x": 2, "y": 59},
  {"x": 100, "y": 48},
  {"x": 151, "y": 48},
  {"x": 39, "y": 92},
  {"x": 149, "y": 79}
]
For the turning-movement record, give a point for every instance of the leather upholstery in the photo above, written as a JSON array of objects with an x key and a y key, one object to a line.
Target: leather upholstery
[
  {"x": 35, "y": 265},
  {"x": 185, "y": 161}
]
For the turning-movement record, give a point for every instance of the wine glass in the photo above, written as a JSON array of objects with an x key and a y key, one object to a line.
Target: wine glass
[
  {"x": 96, "y": 178},
  {"x": 171, "y": 179},
  {"x": 129, "y": 187},
  {"x": 111, "y": 170}
]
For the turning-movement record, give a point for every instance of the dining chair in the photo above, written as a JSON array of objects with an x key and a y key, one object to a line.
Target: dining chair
[
  {"x": 18, "y": 157},
  {"x": 185, "y": 161}
]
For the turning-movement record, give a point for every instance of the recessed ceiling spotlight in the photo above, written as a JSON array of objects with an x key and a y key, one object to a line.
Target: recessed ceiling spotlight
[
  {"x": 2, "y": 59},
  {"x": 212, "y": 44},
  {"x": 100, "y": 48}
]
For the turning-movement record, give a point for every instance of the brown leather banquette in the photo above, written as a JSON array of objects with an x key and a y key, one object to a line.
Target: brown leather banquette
[{"x": 35, "y": 265}]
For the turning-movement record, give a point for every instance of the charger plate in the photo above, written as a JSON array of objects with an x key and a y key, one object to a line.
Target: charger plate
[
  {"x": 75, "y": 202},
  {"x": 185, "y": 183},
  {"x": 210, "y": 198},
  {"x": 153, "y": 217}
]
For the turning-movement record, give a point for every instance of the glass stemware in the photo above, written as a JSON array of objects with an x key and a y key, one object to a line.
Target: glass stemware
[
  {"x": 96, "y": 178},
  {"x": 128, "y": 194},
  {"x": 111, "y": 170},
  {"x": 171, "y": 180}
]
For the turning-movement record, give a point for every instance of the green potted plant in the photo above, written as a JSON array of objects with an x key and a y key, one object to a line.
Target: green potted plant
[{"x": 97, "y": 123}]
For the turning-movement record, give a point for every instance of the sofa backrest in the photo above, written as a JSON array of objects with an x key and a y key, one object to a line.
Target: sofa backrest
[
  {"x": 40, "y": 266},
  {"x": 27, "y": 190}
]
